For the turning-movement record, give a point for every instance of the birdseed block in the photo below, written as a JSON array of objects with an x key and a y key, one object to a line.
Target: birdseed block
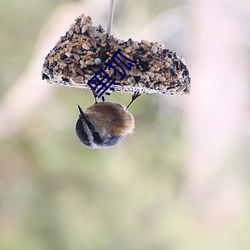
[{"x": 86, "y": 50}]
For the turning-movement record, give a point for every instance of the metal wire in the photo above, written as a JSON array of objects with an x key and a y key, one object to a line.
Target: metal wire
[{"x": 110, "y": 15}]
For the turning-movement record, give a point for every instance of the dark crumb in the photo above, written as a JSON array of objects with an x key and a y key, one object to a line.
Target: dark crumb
[{"x": 44, "y": 77}]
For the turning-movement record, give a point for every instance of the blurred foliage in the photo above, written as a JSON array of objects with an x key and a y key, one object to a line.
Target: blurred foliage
[
  {"x": 56, "y": 194},
  {"x": 20, "y": 23}
]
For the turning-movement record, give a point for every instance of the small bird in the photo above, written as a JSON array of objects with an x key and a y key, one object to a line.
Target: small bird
[{"x": 104, "y": 124}]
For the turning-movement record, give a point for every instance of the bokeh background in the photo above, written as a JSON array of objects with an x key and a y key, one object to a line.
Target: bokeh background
[{"x": 180, "y": 182}]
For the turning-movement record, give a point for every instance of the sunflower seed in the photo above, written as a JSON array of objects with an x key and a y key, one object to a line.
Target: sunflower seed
[{"x": 85, "y": 46}]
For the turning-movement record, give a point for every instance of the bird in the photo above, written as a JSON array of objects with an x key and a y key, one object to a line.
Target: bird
[{"x": 104, "y": 124}]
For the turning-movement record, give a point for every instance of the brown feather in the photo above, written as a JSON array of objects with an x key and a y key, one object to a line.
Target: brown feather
[{"x": 111, "y": 117}]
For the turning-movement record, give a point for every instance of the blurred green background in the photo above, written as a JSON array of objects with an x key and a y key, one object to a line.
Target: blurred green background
[{"x": 181, "y": 181}]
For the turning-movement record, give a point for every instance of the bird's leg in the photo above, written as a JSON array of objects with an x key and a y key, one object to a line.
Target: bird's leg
[
  {"x": 95, "y": 95},
  {"x": 134, "y": 97}
]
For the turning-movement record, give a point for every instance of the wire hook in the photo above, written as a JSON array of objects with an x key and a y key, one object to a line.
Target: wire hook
[{"x": 110, "y": 16}]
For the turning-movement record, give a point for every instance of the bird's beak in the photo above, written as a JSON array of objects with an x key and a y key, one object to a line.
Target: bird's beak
[{"x": 82, "y": 115}]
